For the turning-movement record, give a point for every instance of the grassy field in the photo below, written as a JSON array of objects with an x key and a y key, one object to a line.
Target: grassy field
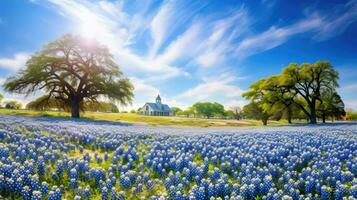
[{"x": 151, "y": 120}]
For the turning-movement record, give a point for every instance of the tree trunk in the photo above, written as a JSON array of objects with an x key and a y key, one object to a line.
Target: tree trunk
[
  {"x": 323, "y": 117},
  {"x": 265, "y": 121},
  {"x": 313, "y": 119},
  {"x": 237, "y": 115},
  {"x": 75, "y": 109},
  {"x": 313, "y": 112},
  {"x": 289, "y": 115}
]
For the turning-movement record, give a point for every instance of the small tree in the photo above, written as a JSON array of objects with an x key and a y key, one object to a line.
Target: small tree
[
  {"x": 237, "y": 112},
  {"x": 351, "y": 114},
  {"x": 208, "y": 109},
  {"x": 230, "y": 114},
  {"x": 13, "y": 105},
  {"x": 73, "y": 70},
  {"x": 253, "y": 110},
  {"x": 176, "y": 110}
]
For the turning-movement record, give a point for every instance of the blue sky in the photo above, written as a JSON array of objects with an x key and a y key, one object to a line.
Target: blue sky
[{"x": 190, "y": 51}]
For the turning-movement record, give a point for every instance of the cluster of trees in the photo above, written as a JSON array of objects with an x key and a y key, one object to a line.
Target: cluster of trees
[
  {"x": 208, "y": 110},
  {"x": 351, "y": 115},
  {"x": 72, "y": 71},
  {"x": 299, "y": 91},
  {"x": 10, "y": 104}
]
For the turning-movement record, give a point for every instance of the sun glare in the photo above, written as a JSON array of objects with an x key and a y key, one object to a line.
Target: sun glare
[{"x": 89, "y": 31}]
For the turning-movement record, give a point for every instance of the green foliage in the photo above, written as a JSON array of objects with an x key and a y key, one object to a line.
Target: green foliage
[
  {"x": 187, "y": 113},
  {"x": 100, "y": 106},
  {"x": 254, "y": 110},
  {"x": 351, "y": 115},
  {"x": 46, "y": 102},
  {"x": 13, "y": 105},
  {"x": 208, "y": 109},
  {"x": 49, "y": 103},
  {"x": 229, "y": 114},
  {"x": 73, "y": 70},
  {"x": 176, "y": 110},
  {"x": 236, "y": 112},
  {"x": 1, "y": 98},
  {"x": 330, "y": 104},
  {"x": 298, "y": 87},
  {"x": 308, "y": 81}
]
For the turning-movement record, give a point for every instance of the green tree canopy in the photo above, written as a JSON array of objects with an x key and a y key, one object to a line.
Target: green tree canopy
[
  {"x": 13, "y": 105},
  {"x": 272, "y": 98},
  {"x": 296, "y": 87},
  {"x": 47, "y": 103},
  {"x": 254, "y": 110},
  {"x": 208, "y": 109},
  {"x": 176, "y": 110},
  {"x": 308, "y": 81},
  {"x": 188, "y": 112},
  {"x": 73, "y": 70},
  {"x": 330, "y": 105}
]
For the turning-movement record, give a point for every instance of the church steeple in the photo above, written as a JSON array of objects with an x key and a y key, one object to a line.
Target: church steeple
[{"x": 158, "y": 99}]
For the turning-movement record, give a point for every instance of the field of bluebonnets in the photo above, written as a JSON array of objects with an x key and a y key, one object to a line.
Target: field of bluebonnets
[{"x": 49, "y": 158}]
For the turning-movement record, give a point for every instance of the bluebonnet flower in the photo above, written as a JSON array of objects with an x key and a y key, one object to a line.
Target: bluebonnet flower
[
  {"x": 44, "y": 188},
  {"x": 36, "y": 195},
  {"x": 87, "y": 192},
  {"x": 325, "y": 192},
  {"x": 26, "y": 193}
]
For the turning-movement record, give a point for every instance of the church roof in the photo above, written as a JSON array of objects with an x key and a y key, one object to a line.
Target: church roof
[
  {"x": 158, "y": 97},
  {"x": 159, "y": 107}
]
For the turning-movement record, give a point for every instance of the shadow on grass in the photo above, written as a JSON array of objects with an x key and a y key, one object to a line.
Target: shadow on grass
[{"x": 88, "y": 120}]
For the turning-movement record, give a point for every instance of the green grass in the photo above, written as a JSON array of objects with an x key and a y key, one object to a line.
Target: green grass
[{"x": 151, "y": 120}]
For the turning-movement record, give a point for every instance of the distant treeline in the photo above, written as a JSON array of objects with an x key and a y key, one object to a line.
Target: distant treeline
[
  {"x": 351, "y": 115},
  {"x": 209, "y": 110}
]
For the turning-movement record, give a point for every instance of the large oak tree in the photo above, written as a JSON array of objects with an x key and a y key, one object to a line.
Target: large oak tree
[
  {"x": 309, "y": 81},
  {"x": 303, "y": 86},
  {"x": 73, "y": 70}
]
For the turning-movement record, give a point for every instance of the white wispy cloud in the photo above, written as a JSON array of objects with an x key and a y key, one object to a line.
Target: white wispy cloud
[
  {"x": 109, "y": 24},
  {"x": 160, "y": 26},
  {"x": 213, "y": 88},
  {"x": 181, "y": 48},
  {"x": 178, "y": 38},
  {"x": 275, "y": 36},
  {"x": 348, "y": 88},
  {"x": 15, "y": 62},
  {"x": 324, "y": 25},
  {"x": 221, "y": 41},
  {"x": 337, "y": 23}
]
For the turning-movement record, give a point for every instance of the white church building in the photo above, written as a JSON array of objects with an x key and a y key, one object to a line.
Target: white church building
[{"x": 156, "y": 109}]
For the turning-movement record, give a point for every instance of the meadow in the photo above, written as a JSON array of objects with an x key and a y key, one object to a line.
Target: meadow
[
  {"x": 60, "y": 158},
  {"x": 150, "y": 120}
]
